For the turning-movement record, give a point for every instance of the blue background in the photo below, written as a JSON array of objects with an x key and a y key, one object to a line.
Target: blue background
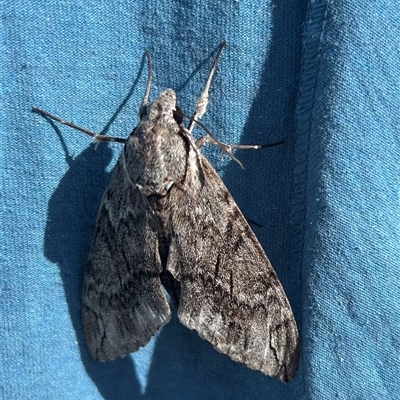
[{"x": 324, "y": 76}]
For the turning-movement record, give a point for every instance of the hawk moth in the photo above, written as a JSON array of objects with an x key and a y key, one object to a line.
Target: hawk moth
[{"x": 167, "y": 219}]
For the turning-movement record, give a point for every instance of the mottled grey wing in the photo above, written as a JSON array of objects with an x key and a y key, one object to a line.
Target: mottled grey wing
[
  {"x": 230, "y": 294},
  {"x": 123, "y": 304}
]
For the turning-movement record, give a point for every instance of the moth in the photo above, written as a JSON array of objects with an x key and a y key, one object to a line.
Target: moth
[{"x": 166, "y": 219}]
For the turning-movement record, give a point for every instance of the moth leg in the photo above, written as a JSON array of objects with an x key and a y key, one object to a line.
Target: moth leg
[
  {"x": 225, "y": 148},
  {"x": 201, "y": 105},
  {"x": 211, "y": 139}
]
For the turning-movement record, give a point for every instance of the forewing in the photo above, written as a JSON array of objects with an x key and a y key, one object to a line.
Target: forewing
[
  {"x": 230, "y": 294},
  {"x": 123, "y": 304}
]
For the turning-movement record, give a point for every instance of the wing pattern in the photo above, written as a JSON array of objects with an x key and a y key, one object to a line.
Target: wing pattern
[
  {"x": 123, "y": 304},
  {"x": 230, "y": 294}
]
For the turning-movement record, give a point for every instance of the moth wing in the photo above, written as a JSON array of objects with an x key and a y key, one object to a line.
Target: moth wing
[
  {"x": 230, "y": 294},
  {"x": 123, "y": 304}
]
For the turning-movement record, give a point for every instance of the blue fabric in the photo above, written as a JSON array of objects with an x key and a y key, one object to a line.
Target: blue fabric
[
  {"x": 322, "y": 75},
  {"x": 347, "y": 198}
]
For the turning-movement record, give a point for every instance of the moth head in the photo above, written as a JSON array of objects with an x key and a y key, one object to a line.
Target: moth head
[{"x": 163, "y": 106}]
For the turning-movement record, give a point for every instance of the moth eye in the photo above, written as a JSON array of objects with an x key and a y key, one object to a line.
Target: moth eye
[{"x": 178, "y": 117}]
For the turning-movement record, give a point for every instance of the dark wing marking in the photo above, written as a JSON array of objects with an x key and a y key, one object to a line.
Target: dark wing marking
[
  {"x": 230, "y": 294},
  {"x": 123, "y": 304}
]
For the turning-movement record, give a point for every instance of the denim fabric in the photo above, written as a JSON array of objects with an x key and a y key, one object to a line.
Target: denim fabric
[{"x": 324, "y": 76}]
